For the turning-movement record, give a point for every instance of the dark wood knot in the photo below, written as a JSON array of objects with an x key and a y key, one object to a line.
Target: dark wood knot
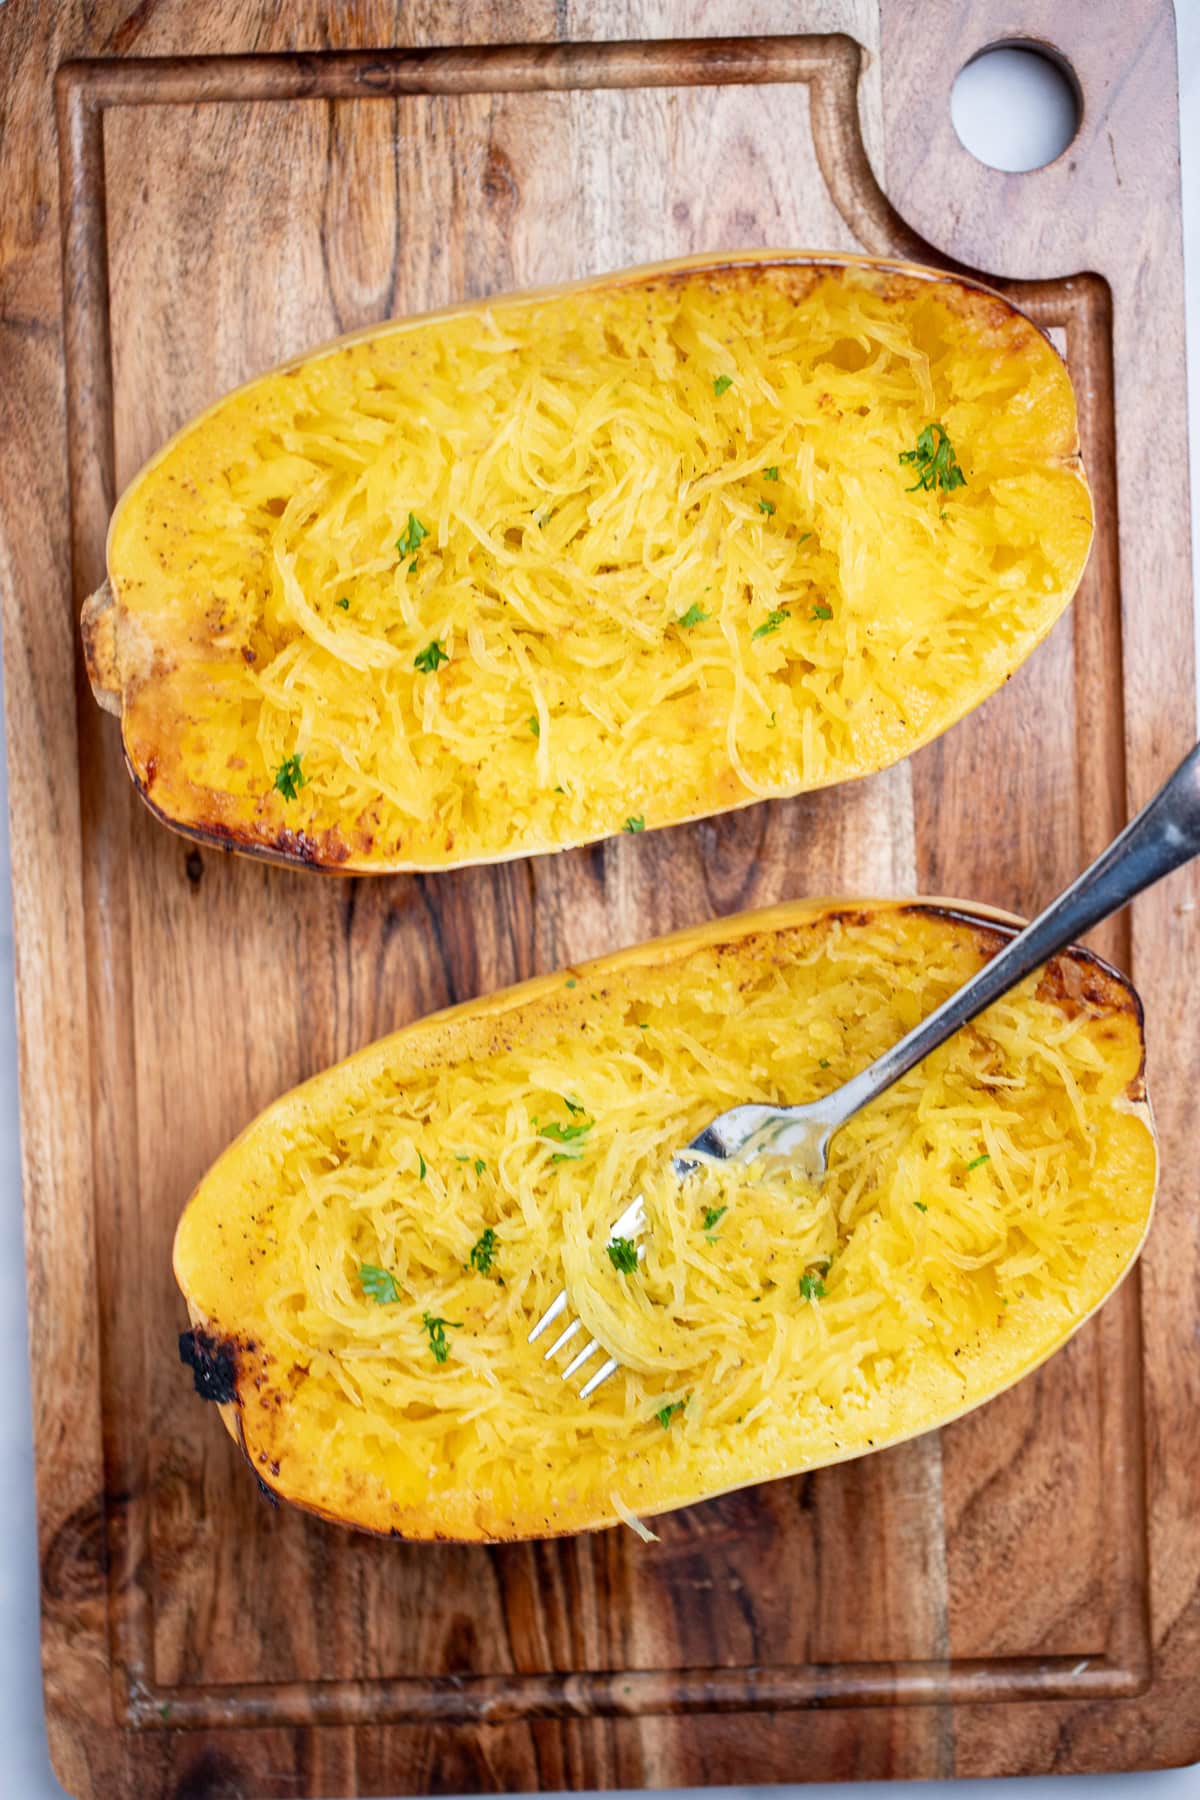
[
  {"x": 75, "y": 1564},
  {"x": 211, "y": 1777},
  {"x": 500, "y": 188}
]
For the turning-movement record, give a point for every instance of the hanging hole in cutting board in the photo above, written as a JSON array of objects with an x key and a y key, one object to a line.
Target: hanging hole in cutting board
[{"x": 1016, "y": 106}]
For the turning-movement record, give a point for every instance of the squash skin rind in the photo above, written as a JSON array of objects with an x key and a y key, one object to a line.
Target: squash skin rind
[
  {"x": 98, "y": 624},
  {"x": 408, "y": 1522},
  {"x": 119, "y": 672}
]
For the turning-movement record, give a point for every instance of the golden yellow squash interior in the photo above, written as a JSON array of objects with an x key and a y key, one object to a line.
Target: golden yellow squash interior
[
  {"x": 534, "y": 572},
  {"x": 364, "y": 1265}
]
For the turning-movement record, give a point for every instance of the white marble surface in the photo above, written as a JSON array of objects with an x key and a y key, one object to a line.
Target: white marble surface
[{"x": 24, "y": 1764}]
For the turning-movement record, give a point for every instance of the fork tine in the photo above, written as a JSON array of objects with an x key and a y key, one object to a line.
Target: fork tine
[
  {"x": 548, "y": 1317},
  {"x": 632, "y": 1222},
  {"x": 602, "y": 1374},
  {"x": 564, "y": 1337},
  {"x": 577, "y": 1361}
]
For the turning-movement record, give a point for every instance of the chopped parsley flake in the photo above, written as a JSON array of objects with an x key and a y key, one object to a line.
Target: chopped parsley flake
[
  {"x": 822, "y": 612},
  {"x": 934, "y": 461},
  {"x": 430, "y": 659},
  {"x": 773, "y": 621},
  {"x": 771, "y": 474},
  {"x": 920, "y": 1206},
  {"x": 722, "y": 385},
  {"x": 378, "y": 1284},
  {"x": 535, "y": 725},
  {"x": 483, "y": 1252},
  {"x": 713, "y": 1215},
  {"x": 573, "y": 1106},
  {"x": 622, "y": 1254},
  {"x": 824, "y": 1063},
  {"x": 289, "y": 778},
  {"x": 436, "y": 1329},
  {"x": 480, "y": 1166},
  {"x": 979, "y": 1159},
  {"x": 695, "y": 615},
  {"x": 420, "y": 1165},
  {"x": 344, "y": 604},
  {"x": 566, "y": 1134},
  {"x": 636, "y": 822},
  {"x": 665, "y": 1414},
  {"x": 811, "y": 1286},
  {"x": 414, "y": 532},
  {"x": 766, "y": 506}
]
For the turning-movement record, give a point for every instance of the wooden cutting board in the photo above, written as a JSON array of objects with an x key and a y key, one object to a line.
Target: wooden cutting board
[{"x": 1020, "y": 1592}]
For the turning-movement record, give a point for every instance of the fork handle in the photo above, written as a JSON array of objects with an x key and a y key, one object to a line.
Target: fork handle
[{"x": 1163, "y": 836}]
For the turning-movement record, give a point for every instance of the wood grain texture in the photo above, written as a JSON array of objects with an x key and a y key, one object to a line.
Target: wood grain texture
[{"x": 1019, "y": 1592}]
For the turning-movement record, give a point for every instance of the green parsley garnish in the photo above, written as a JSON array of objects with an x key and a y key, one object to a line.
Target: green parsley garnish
[
  {"x": 637, "y": 823},
  {"x": 437, "y": 1335},
  {"x": 430, "y": 659},
  {"x": 771, "y": 474},
  {"x": 573, "y": 982},
  {"x": 289, "y": 778},
  {"x": 420, "y": 1165},
  {"x": 565, "y": 1134},
  {"x": 722, "y": 384},
  {"x": 713, "y": 1215},
  {"x": 804, "y": 537},
  {"x": 920, "y": 1206},
  {"x": 573, "y": 1106},
  {"x": 773, "y": 622},
  {"x": 414, "y": 531},
  {"x": 824, "y": 1063},
  {"x": 695, "y": 615},
  {"x": 483, "y": 1251},
  {"x": 378, "y": 1284},
  {"x": 979, "y": 1159},
  {"x": 535, "y": 725},
  {"x": 622, "y": 1254},
  {"x": 822, "y": 612},
  {"x": 344, "y": 604},
  {"x": 480, "y": 1166},
  {"x": 811, "y": 1286},
  {"x": 934, "y": 461},
  {"x": 665, "y": 1414},
  {"x": 766, "y": 506}
]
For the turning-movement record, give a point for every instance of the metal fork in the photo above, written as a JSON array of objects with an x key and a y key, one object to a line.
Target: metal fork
[{"x": 1163, "y": 836}]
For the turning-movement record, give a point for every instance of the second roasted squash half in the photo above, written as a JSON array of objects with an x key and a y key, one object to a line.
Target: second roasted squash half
[{"x": 363, "y": 1266}]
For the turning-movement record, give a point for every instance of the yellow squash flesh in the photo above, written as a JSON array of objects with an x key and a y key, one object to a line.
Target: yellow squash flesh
[
  {"x": 520, "y": 575},
  {"x": 363, "y": 1266}
]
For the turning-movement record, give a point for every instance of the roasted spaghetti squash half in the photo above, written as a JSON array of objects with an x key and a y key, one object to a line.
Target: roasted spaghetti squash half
[
  {"x": 518, "y": 576},
  {"x": 362, "y": 1268}
]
